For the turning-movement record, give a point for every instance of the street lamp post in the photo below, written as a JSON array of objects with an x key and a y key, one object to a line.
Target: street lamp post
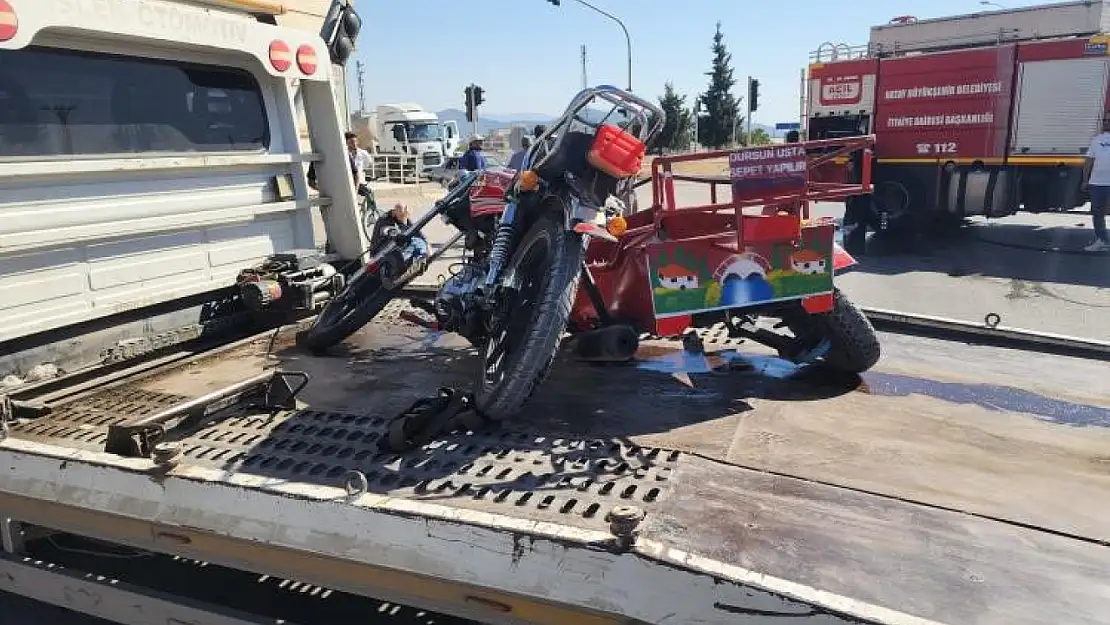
[{"x": 627, "y": 38}]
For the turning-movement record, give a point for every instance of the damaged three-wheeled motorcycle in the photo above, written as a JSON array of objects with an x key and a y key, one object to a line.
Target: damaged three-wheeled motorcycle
[{"x": 549, "y": 249}]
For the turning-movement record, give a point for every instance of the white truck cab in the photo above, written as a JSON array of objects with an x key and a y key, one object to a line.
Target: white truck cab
[
  {"x": 149, "y": 152},
  {"x": 408, "y": 130}
]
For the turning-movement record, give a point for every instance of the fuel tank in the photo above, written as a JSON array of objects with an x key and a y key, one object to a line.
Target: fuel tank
[{"x": 487, "y": 194}]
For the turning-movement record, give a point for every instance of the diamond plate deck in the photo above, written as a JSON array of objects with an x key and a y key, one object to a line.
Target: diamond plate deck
[
  {"x": 84, "y": 424},
  {"x": 562, "y": 480}
]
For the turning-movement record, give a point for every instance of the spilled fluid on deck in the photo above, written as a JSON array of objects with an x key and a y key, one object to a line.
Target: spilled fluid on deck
[{"x": 992, "y": 397}]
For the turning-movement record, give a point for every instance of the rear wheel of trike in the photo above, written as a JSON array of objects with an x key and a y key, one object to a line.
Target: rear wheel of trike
[
  {"x": 853, "y": 344},
  {"x": 530, "y": 317},
  {"x": 842, "y": 339},
  {"x": 355, "y": 306}
]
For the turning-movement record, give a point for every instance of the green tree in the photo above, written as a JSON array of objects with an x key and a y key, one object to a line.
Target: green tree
[
  {"x": 759, "y": 136},
  {"x": 676, "y": 132},
  {"x": 721, "y": 109}
]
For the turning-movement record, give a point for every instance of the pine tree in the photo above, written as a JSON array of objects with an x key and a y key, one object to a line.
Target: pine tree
[
  {"x": 676, "y": 132},
  {"x": 720, "y": 109}
]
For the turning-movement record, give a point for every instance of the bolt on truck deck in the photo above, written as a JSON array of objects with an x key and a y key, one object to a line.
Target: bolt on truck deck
[{"x": 645, "y": 494}]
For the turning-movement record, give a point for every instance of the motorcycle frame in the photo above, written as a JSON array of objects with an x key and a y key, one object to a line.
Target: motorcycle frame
[{"x": 650, "y": 117}]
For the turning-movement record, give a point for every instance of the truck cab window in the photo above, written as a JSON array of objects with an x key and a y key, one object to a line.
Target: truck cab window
[{"x": 81, "y": 103}]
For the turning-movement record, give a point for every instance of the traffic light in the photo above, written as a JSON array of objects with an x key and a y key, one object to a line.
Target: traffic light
[
  {"x": 469, "y": 96},
  {"x": 340, "y": 31},
  {"x": 479, "y": 96},
  {"x": 753, "y": 94}
]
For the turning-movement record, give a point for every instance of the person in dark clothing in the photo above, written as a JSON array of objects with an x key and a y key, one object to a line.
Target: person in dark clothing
[
  {"x": 393, "y": 224},
  {"x": 362, "y": 190},
  {"x": 517, "y": 158},
  {"x": 538, "y": 131},
  {"x": 473, "y": 159},
  {"x": 857, "y": 209},
  {"x": 312, "y": 182}
]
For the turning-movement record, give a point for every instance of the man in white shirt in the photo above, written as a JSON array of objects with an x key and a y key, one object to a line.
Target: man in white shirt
[
  {"x": 1096, "y": 178},
  {"x": 360, "y": 159}
]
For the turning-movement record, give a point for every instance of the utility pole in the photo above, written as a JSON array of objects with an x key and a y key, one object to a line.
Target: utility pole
[
  {"x": 753, "y": 104},
  {"x": 624, "y": 29},
  {"x": 359, "y": 76},
  {"x": 804, "y": 85},
  {"x": 697, "y": 118},
  {"x": 584, "y": 80}
]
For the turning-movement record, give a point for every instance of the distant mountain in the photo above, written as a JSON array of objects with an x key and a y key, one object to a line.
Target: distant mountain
[
  {"x": 521, "y": 118},
  {"x": 486, "y": 124}
]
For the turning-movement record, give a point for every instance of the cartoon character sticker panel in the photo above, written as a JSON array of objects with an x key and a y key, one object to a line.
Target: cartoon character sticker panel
[{"x": 695, "y": 277}]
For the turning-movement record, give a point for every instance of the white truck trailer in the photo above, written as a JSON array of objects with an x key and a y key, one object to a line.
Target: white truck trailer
[
  {"x": 151, "y": 478},
  {"x": 405, "y": 140}
]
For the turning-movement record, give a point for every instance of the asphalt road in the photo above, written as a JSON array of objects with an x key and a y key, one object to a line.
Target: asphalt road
[{"x": 1028, "y": 269}]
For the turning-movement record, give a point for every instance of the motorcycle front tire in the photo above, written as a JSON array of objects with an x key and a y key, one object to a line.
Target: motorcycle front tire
[
  {"x": 355, "y": 306},
  {"x": 529, "y": 364}
]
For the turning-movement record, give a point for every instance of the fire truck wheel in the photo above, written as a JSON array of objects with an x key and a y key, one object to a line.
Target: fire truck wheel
[
  {"x": 892, "y": 206},
  {"x": 854, "y": 345}
]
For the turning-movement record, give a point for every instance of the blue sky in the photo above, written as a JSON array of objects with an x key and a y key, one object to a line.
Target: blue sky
[{"x": 525, "y": 53}]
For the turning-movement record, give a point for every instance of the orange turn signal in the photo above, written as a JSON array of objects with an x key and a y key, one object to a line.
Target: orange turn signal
[
  {"x": 616, "y": 225},
  {"x": 529, "y": 180}
]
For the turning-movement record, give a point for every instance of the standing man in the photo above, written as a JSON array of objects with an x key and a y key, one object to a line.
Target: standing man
[
  {"x": 517, "y": 159},
  {"x": 473, "y": 159},
  {"x": 357, "y": 160},
  {"x": 1096, "y": 179},
  {"x": 360, "y": 158}
]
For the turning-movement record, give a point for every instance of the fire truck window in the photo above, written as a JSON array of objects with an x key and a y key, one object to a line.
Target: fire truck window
[{"x": 55, "y": 102}]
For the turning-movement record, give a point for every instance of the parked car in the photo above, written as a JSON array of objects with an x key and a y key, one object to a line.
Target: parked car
[{"x": 449, "y": 170}]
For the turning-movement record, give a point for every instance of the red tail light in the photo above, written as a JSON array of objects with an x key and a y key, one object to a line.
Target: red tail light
[
  {"x": 306, "y": 59},
  {"x": 9, "y": 23},
  {"x": 281, "y": 57}
]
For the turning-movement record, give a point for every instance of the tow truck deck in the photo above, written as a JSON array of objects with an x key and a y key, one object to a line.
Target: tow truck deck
[{"x": 907, "y": 496}]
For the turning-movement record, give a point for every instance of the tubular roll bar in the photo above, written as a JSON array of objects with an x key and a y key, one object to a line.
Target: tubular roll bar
[
  {"x": 761, "y": 226},
  {"x": 663, "y": 176}
]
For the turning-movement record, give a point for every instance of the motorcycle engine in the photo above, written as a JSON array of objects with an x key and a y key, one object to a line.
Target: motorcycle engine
[{"x": 456, "y": 302}]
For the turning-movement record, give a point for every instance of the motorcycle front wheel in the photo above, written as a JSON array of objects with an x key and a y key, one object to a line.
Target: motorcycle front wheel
[
  {"x": 530, "y": 317},
  {"x": 355, "y": 306}
]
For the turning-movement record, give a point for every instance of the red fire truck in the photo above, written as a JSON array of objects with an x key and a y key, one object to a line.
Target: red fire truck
[{"x": 982, "y": 114}]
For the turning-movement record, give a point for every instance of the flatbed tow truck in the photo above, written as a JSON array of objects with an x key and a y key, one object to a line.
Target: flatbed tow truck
[{"x": 686, "y": 488}]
